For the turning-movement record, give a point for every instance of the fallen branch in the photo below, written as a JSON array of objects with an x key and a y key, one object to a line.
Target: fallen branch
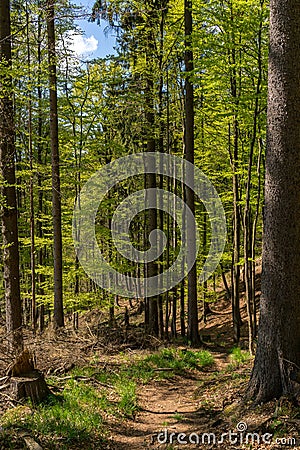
[
  {"x": 12, "y": 401},
  {"x": 4, "y": 379},
  {"x": 292, "y": 363},
  {"x": 293, "y": 421},
  {"x": 83, "y": 378},
  {"x": 90, "y": 331}
]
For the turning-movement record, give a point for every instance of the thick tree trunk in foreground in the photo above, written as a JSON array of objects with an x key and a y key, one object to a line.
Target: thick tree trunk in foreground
[
  {"x": 56, "y": 196},
  {"x": 278, "y": 348},
  {"x": 8, "y": 189}
]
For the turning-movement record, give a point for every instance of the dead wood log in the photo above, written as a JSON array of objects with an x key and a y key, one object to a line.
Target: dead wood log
[{"x": 84, "y": 378}]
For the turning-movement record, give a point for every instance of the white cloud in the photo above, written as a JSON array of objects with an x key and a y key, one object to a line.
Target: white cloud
[{"x": 82, "y": 45}]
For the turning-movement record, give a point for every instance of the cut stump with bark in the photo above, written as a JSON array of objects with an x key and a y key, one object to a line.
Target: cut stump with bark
[
  {"x": 31, "y": 385},
  {"x": 26, "y": 381}
]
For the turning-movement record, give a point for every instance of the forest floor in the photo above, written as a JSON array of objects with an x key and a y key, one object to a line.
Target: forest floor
[{"x": 114, "y": 388}]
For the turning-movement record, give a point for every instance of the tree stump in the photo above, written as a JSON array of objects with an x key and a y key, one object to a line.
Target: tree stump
[
  {"x": 26, "y": 381},
  {"x": 31, "y": 385}
]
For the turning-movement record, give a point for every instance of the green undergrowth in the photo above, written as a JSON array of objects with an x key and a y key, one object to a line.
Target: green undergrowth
[
  {"x": 238, "y": 357},
  {"x": 180, "y": 360},
  {"x": 89, "y": 397},
  {"x": 73, "y": 416}
]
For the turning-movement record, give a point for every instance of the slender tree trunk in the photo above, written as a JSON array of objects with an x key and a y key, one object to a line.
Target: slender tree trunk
[
  {"x": 182, "y": 284},
  {"x": 9, "y": 211},
  {"x": 278, "y": 350},
  {"x": 41, "y": 277},
  {"x": 168, "y": 216},
  {"x": 193, "y": 332},
  {"x": 249, "y": 235},
  {"x": 111, "y": 296},
  {"x": 161, "y": 178},
  {"x": 234, "y": 160},
  {"x": 247, "y": 259},
  {"x": 56, "y": 195},
  {"x": 235, "y": 271},
  {"x": 206, "y": 305},
  {"x": 236, "y": 242},
  {"x": 254, "y": 230},
  {"x": 174, "y": 245},
  {"x": 146, "y": 298},
  {"x": 223, "y": 275}
]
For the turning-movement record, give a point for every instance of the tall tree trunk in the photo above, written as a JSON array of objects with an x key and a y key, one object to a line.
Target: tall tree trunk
[
  {"x": 151, "y": 177},
  {"x": 168, "y": 216},
  {"x": 206, "y": 305},
  {"x": 250, "y": 229},
  {"x": 174, "y": 245},
  {"x": 254, "y": 231},
  {"x": 30, "y": 145},
  {"x": 278, "y": 351},
  {"x": 8, "y": 189},
  {"x": 236, "y": 242},
  {"x": 161, "y": 150},
  {"x": 182, "y": 284},
  {"x": 193, "y": 332},
  {"x": 235, "y": 77},
  {"x": 56, "y": 195},
  {"x": 41, "y": 277}
]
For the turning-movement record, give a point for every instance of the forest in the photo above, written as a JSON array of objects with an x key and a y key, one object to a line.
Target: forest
[{"x": 150, "y": 225}]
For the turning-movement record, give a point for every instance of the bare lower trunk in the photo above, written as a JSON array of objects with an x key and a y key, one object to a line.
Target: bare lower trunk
[{"x": 278, "y": 350}]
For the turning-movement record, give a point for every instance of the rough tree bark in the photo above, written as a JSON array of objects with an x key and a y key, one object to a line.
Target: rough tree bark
[
  {"x": 8, "y": 189},
  {"x": 278, "y": 351}
]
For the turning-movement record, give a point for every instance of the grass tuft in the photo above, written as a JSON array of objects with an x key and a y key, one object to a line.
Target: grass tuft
[
  {"x": 128, "y": 400},
  {"x": 238, "y": 357},
  {"x": 180, "y": 360}
]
